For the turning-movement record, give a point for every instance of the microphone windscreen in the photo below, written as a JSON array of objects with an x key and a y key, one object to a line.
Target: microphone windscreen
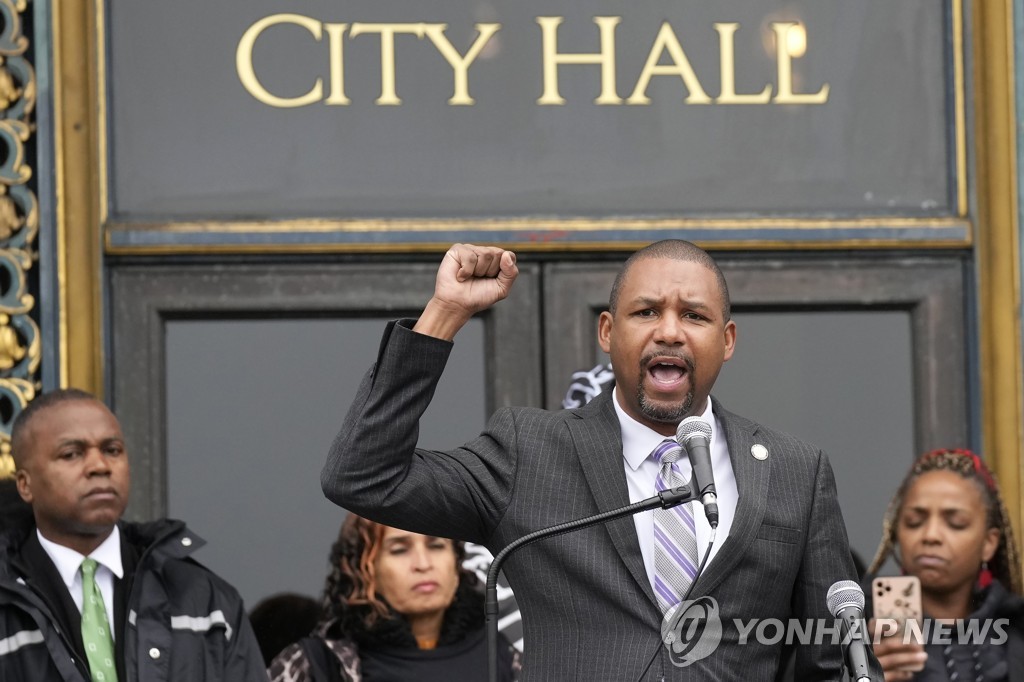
[
  {"x": 692, "y": 426},
  {"x": 843, "y": 594}
]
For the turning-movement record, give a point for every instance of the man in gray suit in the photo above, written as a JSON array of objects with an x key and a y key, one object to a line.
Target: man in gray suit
[{"x": 594, "y": 602}]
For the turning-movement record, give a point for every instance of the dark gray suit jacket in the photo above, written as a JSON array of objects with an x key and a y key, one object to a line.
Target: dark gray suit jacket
[{"x": 589, "y": 612}]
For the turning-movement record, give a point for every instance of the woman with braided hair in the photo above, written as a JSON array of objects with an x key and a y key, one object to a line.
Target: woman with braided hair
[
  {"x": 397, "y": 606},
  {"x": 948, "y": 526}
]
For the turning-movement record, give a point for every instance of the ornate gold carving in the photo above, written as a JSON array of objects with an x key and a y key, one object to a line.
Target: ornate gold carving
[
  {"x": 20, "y": 343},
  {"x": 11, "y": 39},
  {"x": 15, "y": 394},
  {"x": 11, "y": 349},
  {"x": 6, "y": 461},
  {"x": 9, "y": 90}
]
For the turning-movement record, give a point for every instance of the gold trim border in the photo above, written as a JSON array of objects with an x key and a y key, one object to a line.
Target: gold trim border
[
  {"x": 79, "y": 116},
  {"x": 959, "y": 108},
  {"x": 60, "y": 218},
  {"x": 541, "y": 243},
  {"x": 525, "y": 224},
  {"x": 998, "y": 251},
  {"x": 542, "y": 231},
  {"x": 100, "y": 53},
  {"x": 521, "y": 247}
]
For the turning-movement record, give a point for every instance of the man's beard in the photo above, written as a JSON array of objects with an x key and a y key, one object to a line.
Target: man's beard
[{"x": 665, "y": 414}]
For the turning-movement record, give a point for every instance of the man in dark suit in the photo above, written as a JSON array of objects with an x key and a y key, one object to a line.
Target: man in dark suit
[
  {"x": 595, "y": 602},
  {"x": 87, "y": 596}
]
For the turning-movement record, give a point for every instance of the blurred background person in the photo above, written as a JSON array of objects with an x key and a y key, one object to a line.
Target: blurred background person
[
  {"x": 948, "y": 526},
  {"x": 14, "y": 511},
  {"x": 283, "y": 619},
  {"x": 396, "y": 606}
]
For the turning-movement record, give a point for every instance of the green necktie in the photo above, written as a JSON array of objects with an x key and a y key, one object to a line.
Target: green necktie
[{"x": 99, "y": 645}]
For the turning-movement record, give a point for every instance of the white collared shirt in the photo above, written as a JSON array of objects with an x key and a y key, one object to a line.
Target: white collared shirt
[
  {"x": 638, "y": 442},
  {"x": 68, "y": 563}
]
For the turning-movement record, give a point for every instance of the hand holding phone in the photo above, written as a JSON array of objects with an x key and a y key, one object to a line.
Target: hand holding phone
[{"x": 896, "y": 601}]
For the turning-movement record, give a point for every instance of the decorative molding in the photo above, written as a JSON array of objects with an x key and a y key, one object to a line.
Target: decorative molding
[
  {"x": 531, "y": 234},
  {"x": 20, "y": 344}
]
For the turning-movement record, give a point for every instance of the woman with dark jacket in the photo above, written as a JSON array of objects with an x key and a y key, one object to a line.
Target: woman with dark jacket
[
  {"x": 397, "y": 606},
  {"x": 948, "y": 526}
]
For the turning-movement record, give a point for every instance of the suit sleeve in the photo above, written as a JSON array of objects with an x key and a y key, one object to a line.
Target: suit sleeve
[
  {"x": 375, "y": 469},
  {"x": 826, "y": 560}
]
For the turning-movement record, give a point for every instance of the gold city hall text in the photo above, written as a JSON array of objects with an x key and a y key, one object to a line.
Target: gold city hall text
[{"x": 666, "y": 57}]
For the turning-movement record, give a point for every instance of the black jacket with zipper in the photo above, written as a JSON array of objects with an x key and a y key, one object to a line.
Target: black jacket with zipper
[{"x": 176, "y": 621}]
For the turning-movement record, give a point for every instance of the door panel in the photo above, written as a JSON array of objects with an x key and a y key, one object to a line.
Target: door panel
[{"x": 231, "y": 381}]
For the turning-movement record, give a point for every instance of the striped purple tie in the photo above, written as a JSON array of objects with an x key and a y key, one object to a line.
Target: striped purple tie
[{"x": 675, "y": 539}]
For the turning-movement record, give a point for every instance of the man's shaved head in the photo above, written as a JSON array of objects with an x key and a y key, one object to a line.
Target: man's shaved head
[{"x": 677, "y": 249}]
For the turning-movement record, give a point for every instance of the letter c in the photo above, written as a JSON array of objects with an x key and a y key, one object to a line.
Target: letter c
[{"x": 247, "y": 74}]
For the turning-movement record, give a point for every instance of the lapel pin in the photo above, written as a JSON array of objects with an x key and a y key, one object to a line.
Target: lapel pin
[{"x": 759, "y": 452}]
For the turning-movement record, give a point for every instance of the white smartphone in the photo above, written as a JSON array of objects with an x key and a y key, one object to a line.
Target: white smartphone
[{"x": 897, "y": 597}]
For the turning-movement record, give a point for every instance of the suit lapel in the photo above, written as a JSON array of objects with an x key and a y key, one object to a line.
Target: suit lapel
[
  {"x": 598, "y": 439},
  {"x": 752, "y": 485}
]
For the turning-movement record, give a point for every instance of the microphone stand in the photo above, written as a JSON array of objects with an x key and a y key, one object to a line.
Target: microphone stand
[{"x": 666, "y": 499}]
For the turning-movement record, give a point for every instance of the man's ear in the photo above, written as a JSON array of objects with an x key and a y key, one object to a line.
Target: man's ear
[
  {"x": 729, "y": 340},
  {"x": 604, "y": 331},
  {"x": 24, "y": 482}
]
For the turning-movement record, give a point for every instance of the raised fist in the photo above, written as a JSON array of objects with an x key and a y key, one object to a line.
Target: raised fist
[{"x": 470, "y": 279}]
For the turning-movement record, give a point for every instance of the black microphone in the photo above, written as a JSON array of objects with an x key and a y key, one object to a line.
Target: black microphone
[
  {"x": 666, "y": 499},
  {"x": 846, "y": 602},
  {"x": 694, "y": 434}
]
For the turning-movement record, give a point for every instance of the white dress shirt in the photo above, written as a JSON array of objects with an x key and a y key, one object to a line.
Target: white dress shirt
[
  {"x": 638, "y": 442},
  {"x": 68, "y": 563}
]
